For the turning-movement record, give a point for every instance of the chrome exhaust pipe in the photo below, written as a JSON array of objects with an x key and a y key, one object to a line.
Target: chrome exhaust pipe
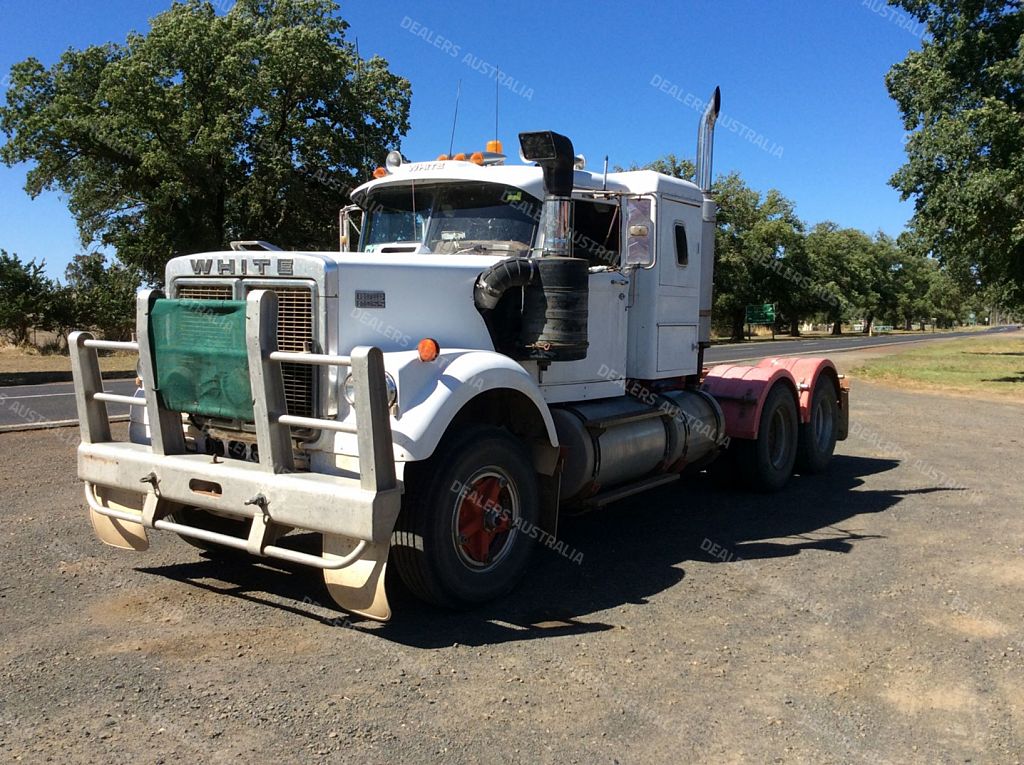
[{"x": 706, "y": 140}]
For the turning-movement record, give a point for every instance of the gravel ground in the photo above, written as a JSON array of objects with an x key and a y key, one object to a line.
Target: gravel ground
[{"x": 872, "y": 614}]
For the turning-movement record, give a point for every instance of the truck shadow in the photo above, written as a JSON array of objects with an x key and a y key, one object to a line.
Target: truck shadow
[{"x": 621, "y": 555}]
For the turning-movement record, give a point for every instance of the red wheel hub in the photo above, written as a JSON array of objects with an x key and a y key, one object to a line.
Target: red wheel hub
[{"x": 482, "y": 518}]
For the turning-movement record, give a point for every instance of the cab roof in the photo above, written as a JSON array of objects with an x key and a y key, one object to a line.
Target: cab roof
[{"x": 530, "y": 179}]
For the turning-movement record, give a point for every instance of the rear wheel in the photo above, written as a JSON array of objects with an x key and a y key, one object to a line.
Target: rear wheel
[
  {"x": 817, "y": 439},
  {"x": 464, "y": 534},
  {"x": 766, "y": 463}
]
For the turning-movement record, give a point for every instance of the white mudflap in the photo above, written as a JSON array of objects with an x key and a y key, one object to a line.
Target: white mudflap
[
  {"x": 121, "y": 534},
  {"x": 358, "y": 588}
]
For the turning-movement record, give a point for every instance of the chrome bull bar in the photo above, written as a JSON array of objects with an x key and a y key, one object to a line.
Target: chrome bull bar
[{"x": 271, "y": 492}]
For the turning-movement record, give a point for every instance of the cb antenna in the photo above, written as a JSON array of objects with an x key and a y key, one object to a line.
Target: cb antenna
[
  {"x": 455, "y": 118},
  {"x": 496, "y": 80}
]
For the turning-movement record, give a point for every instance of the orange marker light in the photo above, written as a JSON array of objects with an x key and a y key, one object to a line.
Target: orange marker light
[
  {"x": 494, "y": 146},
  {"x": 428, "y": 349},
  {"x": 442, "y": 157},
  {"x": 461, "y": 157},
  {"x": 477, "y": 158},
  {"x": 380, "y": 172}
]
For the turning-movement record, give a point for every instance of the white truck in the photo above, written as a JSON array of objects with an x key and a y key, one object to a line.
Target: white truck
[{"x": 495, "y": 344}]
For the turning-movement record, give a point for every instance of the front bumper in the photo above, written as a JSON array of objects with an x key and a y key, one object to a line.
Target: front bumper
[
  {"x": 358, "y": 509},
  {"x": 327, "y": 504}
]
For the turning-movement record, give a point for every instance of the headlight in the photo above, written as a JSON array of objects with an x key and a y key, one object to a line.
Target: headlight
[{"x": 349, "y": 389}]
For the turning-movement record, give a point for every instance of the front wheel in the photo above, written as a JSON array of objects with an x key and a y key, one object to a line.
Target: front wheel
[{"x": 467, "y": 526}]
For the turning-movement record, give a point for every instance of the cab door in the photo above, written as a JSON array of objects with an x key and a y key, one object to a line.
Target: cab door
[{"x": 678, "y": 299}]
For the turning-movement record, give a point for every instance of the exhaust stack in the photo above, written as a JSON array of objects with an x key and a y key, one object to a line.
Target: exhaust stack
[{"x": 706, "y": 140}]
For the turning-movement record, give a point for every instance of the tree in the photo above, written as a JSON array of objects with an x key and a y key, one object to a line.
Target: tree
[
  {"x": 962, "y": 95},
  {"x": 207, "y": 129},
  {"x": 102, "y": 295},
  {"x": 24, "y": 296},
  {"x": 757, "y": 236},
  {"x": 843, "y": 261},
  {"x": 670, "y": 164}
]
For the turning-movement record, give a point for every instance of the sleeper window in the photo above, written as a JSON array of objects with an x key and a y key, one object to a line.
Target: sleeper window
[{"x": 682, "y": 254}]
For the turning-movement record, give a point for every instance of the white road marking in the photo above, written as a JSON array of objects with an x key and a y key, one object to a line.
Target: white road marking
[{"x": 35, "y": 395}]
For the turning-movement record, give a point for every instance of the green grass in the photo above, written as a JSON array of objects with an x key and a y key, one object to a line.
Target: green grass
[{"x": 992, "y": 366}]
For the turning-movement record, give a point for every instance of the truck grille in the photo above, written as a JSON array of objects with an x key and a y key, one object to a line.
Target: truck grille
[{"x": 294, "y": 333}]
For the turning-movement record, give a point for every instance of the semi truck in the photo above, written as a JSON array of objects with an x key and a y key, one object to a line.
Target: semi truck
[{"x": 494, "y": 345}]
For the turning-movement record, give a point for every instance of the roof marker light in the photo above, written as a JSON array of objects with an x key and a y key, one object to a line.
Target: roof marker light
[
  {"x": 477, "y": 158},
  {"x": 380, "y": 172}
]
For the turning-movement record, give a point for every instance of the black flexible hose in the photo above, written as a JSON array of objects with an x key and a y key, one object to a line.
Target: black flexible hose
[{"x": 509, "y": 273}]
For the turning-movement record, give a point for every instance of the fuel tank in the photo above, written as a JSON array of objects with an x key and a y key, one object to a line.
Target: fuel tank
[{"x": 614, "y": 441}]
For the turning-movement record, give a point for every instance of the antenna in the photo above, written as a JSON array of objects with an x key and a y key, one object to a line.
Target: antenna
[
  {"x": 359, "y": 79},
  {"x": 496, "y": 81},
  {"x": 455, "y": 118}
]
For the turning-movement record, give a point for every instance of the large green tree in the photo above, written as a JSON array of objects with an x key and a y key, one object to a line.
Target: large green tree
[
  {"x": 208, "y": 128},
  {"x": 757, "y": 244},
  {"x": 962, "y": 96},
  {"x": 845, "y": 264}
]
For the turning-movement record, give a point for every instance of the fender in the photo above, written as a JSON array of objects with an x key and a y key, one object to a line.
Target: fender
[
  {"x": 807, "y": 371},
  {"x": 431, "y": 394},
  {"x": 741, "y": 392}
]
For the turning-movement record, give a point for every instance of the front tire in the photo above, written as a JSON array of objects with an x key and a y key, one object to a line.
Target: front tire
[
  {"x": 766, "y": 463},
  {"x": 466, "y": 530}
]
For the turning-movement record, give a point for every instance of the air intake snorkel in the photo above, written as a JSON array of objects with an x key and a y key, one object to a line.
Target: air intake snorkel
[{"x": 553, "y": 324}]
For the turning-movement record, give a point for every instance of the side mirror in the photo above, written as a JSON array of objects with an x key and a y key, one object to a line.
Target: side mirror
[{"x": 639, "y": 246}]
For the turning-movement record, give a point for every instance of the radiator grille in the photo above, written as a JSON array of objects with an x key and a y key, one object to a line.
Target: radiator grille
[
  {"x": 294, "y": 333},
  {"x": 205, "y": 292}
]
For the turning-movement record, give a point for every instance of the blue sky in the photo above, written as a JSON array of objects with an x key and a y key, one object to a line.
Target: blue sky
[{"x": 804, "y": 101}]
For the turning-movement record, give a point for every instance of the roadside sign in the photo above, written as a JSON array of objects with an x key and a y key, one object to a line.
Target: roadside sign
[{"x": 761, "y": 314}]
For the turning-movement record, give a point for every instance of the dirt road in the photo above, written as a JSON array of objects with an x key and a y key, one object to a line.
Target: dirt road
[{"x": 873, "y": 614}]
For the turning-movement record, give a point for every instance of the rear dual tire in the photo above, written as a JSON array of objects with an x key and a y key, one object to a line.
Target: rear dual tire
[
  {"x": 766, "y": 463},
  {"x": 817, "y": 439}
]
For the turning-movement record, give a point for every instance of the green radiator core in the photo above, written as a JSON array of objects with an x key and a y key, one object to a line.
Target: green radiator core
[{"x": 200, "y": 357}]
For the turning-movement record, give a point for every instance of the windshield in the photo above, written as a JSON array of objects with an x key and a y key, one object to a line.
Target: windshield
[{"x": 451, "y": 218}]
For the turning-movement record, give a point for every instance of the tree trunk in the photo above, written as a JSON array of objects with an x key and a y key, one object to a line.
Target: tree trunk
[
  {"x": 737, "y": 324},
  {"x": 794, "y": 327},
  {"x": 837, "y": 327},
  {"x": 867, "y": 324}
]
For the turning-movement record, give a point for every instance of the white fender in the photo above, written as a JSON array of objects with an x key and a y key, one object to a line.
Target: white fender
[{"x": 431, "y": 394}]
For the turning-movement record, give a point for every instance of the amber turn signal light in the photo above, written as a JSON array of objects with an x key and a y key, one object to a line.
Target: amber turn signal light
[{"x": 428, "y": 349}]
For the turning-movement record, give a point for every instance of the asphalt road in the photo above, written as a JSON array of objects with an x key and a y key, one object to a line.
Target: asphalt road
[
  {"x": 52, "y": 402},
  {"x": 824, "y": 346},
  {"x": 55, "y": 402}
]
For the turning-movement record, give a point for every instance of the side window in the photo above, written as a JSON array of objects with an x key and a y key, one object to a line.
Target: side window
[
  {"x": 682, "y": 253},
  {"x": 595, "y": 234}
]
